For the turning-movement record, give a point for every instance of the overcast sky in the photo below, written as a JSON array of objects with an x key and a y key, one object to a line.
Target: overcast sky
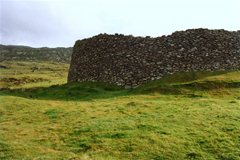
[{"x": 55, "y": 23}]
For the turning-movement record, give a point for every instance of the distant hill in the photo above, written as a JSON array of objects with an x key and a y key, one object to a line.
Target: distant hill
[{"x": 14, "y": 52}]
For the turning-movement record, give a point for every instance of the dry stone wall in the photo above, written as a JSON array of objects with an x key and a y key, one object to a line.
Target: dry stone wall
[{"x": 130, "y": 61}]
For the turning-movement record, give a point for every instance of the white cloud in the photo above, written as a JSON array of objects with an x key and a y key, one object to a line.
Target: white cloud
[{"x": 60, "y": 23}]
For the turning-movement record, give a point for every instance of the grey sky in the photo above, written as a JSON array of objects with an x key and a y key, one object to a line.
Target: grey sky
[{"x": 60, "y": 23}]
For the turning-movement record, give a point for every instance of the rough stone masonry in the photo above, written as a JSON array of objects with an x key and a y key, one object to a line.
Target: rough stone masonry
[{"x": 130, "y": 61}]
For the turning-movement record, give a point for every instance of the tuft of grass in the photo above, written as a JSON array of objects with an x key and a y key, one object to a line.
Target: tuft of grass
[
  {"x": 51, "y": 113},
  {"x": 5, "y": 151}
]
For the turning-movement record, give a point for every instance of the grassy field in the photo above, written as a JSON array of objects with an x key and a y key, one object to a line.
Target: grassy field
[{"x": 182, "y": 116}]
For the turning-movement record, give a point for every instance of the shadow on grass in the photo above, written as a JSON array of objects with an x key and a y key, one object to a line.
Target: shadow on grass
[
  {"x": 86, "y": 91},
  {"x": 182, "y": 83}
]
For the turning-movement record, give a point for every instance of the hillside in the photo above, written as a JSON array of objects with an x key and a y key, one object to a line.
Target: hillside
[
  {"x": 188, "y": 115},
  {"x": 13, "y": 52}
]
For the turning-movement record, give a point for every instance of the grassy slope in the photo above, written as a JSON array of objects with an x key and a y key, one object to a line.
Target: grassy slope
[{"x": 183, "y": 116}]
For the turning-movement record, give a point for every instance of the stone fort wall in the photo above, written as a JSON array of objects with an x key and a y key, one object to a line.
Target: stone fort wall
[{"x": 130, "y": 61}]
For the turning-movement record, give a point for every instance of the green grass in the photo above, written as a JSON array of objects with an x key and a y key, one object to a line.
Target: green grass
[
  {"x": 183, "y": 116},
  {"x": 22, "y": 74}
]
